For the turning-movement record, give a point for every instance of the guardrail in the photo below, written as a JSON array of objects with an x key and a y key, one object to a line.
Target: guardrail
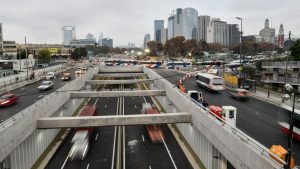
[
  {"x": 289, "y": 64},
  {"x": 250, "y": 142}
]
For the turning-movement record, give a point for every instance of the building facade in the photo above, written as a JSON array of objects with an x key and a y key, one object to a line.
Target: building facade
[
  {"x": 164, "y": 35},
  {"x": 183, "y": 23},
  {"x": 218, "y": 32},
  {"x": 147, "y": 38},
  {"x": 107, "y": 42},
  {"x": 100, "y": 39},
  {"x": 280, "y": 37},
  {"x": 82, "y": 42},
  {"x": 158, "y": 26},
  {"x": 267, "y": 34},
  {"x": 68, "y": 34},
  {"x": 234, "y": 35},
  {"x": 203, "y": 22},
  {"x": 90, "y": 36}
]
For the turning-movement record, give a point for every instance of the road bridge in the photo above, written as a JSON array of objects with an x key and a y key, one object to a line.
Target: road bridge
[
  {"x": 109, "y": 82},
  {"x": 124, "y": 120},
  {"x": 134, "y": 93},
  {"x": 119, "y": 75}
]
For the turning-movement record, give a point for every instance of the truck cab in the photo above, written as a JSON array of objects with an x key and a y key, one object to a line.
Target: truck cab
[{"x": 195, "y": 95}]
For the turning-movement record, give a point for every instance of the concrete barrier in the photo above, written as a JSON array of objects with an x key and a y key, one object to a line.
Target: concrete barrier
[
  {"x": 206, "y": 133},
  {"x": 133, "y": 93},
  {"x": 117, "y": 69},
  {"x": 120, "y": 75},
  {"x": 95, "y": 82}
]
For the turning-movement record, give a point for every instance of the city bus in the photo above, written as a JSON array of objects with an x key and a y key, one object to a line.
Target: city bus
[
  {"x": 178, "y": 64},
  {"x": 209, "y": 81}
]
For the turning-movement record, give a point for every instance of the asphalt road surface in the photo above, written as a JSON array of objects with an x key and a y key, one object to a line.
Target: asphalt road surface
[
  {"x": 256, "y": 118},
  {"x": 139, "y": 153},
  {"x": 30, "y": 94}
]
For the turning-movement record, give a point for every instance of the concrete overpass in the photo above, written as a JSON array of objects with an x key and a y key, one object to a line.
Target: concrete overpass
[
  {"x": 94, "y": 121},
  {"x": 134, "y": 93},
  {"x": 117, "y": 75},
  {"x": 109, "y": 82},
  {"x": 114, "y": 69}
]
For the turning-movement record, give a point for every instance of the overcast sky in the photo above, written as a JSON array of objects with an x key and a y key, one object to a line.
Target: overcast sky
[{"x": 129, "y": 20}]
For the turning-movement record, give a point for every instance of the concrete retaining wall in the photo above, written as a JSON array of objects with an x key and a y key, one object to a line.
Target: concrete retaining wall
[
  {"x": 18, "y": 128},
  {"x": 206, "y": 132}
]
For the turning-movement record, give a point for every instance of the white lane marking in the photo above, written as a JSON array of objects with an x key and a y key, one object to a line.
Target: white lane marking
[
  {"x": 115, "y": 134},
  {"x": 257, "y": 113},
  {"x": 143, "y": 138},
  {"x": 105, "y": 106},
  {"x": 66, "y": 160},
  {"x": 96, "y": 138},
  {"x": 149, "y": 166},
  {"x": 87, "y": 167},
  {"x": 95, "y": 102},
  {"x": 135, "y": 106},
  {"x": 169, "y": 154}
]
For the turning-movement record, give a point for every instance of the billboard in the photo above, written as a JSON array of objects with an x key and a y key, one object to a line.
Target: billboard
[{"x": 53, "y": 50}]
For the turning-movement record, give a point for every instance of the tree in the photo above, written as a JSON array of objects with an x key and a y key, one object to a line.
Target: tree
[
  {"x": 175, "y": 46},
  {"x": 79, "y": 53},
  {"x": 295, "y": 51},
  {"x": 44, "y": 56},
  {"x": 155, "y": 47},
  {"x": 215, "y": 48}
]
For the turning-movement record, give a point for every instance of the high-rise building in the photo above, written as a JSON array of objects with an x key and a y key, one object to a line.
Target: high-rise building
[
  {"x": 218, "y": 32},
  {"x": 267, "y": 33},
  {"x": 1, "y": 37},
  {"x": 183, "y": 23},
  {"x": 68, "y": 34},
  {"x": 280, "y": 38},
  {"x": 171, "y": 27},
  {"x": 164, "y": 35},
  {"x": 203, "y": 22},
  {"x": 100, "y": 39},
  {"x": 234, "y": 35},
  {"x": 158, "y": 26},
  {"x": 107, "y": 42},
  {"x": 131, "y": 45},
  {"x": 89, "y": 36},
  {"x": 147, "y": 38}
]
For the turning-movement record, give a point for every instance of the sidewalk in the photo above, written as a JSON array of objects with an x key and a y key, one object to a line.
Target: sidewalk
[{"x": 276, "y": 98}]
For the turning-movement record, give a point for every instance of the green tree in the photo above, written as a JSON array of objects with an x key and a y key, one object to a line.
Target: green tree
[
  {"x": 79, "y": 53},
  {"x": 21, "y": 54},
  {"x": 175, "y": 46},
  {"x": 295, "y": 51},
  {"x": 155, "y": 47},
  {"x": 44, "y": 56}
]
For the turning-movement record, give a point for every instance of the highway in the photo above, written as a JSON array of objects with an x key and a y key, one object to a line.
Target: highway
[
  {"x": 136, "y": 149},
  {"x": 30, "y": 94},
  {"x": 256, "y": 118}
]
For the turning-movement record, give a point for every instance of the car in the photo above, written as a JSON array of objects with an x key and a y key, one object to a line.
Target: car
[
  {"x": 46, "y": 85},
  {"x": 66, "y": 76},
  {"x": 84, "y": 68},
  {"x": 50, "y": 75},
  {"x": 8, "y": 99},
  {"x": 78, "y": 71}
]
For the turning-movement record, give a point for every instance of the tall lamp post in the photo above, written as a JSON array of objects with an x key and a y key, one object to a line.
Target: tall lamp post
[
  {"x": 241, "y": 43},
  {"x": 290, "y": 89}
]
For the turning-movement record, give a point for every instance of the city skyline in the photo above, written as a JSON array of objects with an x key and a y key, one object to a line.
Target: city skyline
[{"x": 48, "y": 30}]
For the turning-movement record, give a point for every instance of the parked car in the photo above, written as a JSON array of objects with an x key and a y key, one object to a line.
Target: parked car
[
  {"x": 50, "y": 75},
  {"x": 8, "y": 99},
  {"x": 46, "y": 85},
  {"x": 66, "y": 76},
  {"x": 78, "y": 71}
]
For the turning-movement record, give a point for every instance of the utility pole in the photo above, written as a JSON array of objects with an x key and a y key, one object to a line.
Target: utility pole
[
  {"x": 285, "y": 78},
  {"x": 241, "y": 43},
  {"x": 26, "y": 59}
]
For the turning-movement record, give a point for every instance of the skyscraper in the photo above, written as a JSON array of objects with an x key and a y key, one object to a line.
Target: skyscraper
[
  {"x": 158, "y": 26},
  {"x": 1, "y": 37},
  {"x": 100, "y": 39},
  {"x": 147, "y": 38},
  {"x": 280, "y": 38},
  {"x": 218, "y": 32},
  {"x": 203, "y": 22},
  {"x": 164, "y": 35},
  {"x": 267, "y": 33},
  {"x": 107, "y": 42},
  {"x": 234, "y": 35},
  {"x": 183, "y": 23},
  {"x": 68, "y": 34}
]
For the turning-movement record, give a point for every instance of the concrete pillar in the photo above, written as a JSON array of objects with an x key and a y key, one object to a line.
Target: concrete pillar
[
  {"x": 295, "y": 75},
  {"x": 275, "y": 74}
]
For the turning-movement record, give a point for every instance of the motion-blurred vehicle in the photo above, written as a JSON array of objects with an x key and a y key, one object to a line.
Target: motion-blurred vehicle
[
  {"x": 66, "y": 76},
  {"x": 50, "y": 75},
  {"x": 46, "y": 85},
  {"x": 237, "y": 93},
  {"x": 84, "y": 68},
  {"x": 79, "y": 71},
  {"x": 8, "y": 99}
]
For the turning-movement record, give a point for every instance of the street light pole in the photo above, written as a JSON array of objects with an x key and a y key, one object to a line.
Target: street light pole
[
  {"x": 241, "y": 38},
  {"x": 26, "y": 59}
]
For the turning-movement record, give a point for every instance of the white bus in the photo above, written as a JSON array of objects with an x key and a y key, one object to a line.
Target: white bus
[
  {"x": 209, "y": 81},
  {"x": 178, "y": 64}
]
